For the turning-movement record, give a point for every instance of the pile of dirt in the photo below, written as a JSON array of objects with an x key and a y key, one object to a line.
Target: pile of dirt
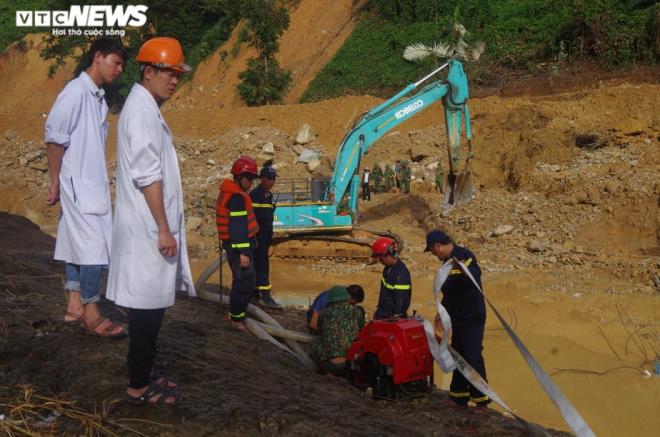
[{"x": 231, "y": 381}]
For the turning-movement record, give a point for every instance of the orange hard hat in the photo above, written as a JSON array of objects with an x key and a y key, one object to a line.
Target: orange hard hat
[
  {"x": 245, "y": 164},
  {"x": 383, "y": 246},
  {"x": 163, "y": 52}
]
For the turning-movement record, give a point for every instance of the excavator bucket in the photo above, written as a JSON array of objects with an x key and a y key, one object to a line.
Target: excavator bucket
[{"x": 460, "y": 189}]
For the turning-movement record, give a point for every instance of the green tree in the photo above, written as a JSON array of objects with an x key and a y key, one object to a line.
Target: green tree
[{"x": 263, "y": 82}]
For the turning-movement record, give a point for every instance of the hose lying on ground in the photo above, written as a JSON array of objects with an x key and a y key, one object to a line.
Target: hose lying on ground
[{"x": 267, "y": 328}]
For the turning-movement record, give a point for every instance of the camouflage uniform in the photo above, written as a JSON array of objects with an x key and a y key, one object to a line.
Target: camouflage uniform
[
  {"x": 377, "y": 175},
  {"x": 406, "y": 174},
  {"x": 397, "y": 173},
  {"x": 389, "y": 178},
  {"x": 339, "y": 325},
  {"x": 440, "y": 179}
]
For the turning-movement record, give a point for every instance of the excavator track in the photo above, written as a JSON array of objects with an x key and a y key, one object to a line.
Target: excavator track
[{"x": 354, "y": 246}]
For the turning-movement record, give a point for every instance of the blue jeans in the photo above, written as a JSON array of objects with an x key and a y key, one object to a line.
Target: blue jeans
[{"x": 86, "y": 279}]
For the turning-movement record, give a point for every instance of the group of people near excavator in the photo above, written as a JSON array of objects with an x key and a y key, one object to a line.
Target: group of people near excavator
[
  {"x": 386, "y": 179},
  {"x": 144, "y": 244}
]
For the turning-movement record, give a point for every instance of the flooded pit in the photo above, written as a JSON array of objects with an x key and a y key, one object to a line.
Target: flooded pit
[{"x": 565, "y": 321}]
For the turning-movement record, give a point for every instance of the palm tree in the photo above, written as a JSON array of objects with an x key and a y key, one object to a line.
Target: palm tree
[{"x": 455, "y": 47}]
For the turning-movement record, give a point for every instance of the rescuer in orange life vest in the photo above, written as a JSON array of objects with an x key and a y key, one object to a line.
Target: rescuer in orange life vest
[{"x": 237, "y": 228}]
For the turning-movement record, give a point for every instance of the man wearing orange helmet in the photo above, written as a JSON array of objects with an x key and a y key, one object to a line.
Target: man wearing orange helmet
[
  {"x": 237, "y": 228},
  {"x": 395, "y": 284},
  {"x": 149, "y": 259}
]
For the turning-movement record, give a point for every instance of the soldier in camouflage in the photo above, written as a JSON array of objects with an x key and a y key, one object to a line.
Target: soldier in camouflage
[
  {"x": 377, "y": 175},
  {"x": 339, "y": 326},
  {"x": 389, "y": 178}
]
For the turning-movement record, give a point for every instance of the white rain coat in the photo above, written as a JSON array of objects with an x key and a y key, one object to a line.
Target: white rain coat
[
  {"x": 77, "y": 122},
  {"x": 140, "y": 276}
]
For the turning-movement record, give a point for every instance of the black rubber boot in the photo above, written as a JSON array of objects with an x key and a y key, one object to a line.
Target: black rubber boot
[{"x": 267, "y": 300}]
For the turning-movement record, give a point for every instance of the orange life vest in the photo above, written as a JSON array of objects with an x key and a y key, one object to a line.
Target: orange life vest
[{"x": 222, "y": 214}]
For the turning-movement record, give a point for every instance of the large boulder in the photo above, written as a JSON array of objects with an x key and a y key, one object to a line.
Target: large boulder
[{"x": 305, "y": 135}]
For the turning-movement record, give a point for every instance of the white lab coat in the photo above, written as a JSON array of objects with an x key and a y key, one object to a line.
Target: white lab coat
[
  {"x": 140, "y": 276},
  {"x": 77, "y": 122}
]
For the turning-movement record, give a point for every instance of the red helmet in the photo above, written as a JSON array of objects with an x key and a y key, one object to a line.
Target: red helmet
[
  {"x": 383, "y": 246},
  {"x": 245, "y": 164}
]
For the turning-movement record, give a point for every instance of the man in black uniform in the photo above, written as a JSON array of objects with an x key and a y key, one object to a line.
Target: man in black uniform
[
  {"x": 467, "y": 310},
  {"x": 395, "y": 284},
  {"x": 262, "y": 202}
]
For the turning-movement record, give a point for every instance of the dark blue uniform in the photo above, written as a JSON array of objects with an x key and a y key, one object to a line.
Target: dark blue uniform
[
  {"x": 262, "y": 203},
  {"x": 243, "y": 279},
  {"x": 395, "y": 292},
  {"x": 467, "y": 310}
]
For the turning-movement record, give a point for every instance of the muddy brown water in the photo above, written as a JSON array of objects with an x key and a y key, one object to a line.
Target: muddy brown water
[
  {"x": 233, "y": 384},
  {"x": 558, "y": 317}
]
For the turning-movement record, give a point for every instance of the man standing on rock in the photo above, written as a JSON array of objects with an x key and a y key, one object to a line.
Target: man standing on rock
[
  {"x": 76, "y": 130},
  {"x": 149, "y": 258},
  {"x": 395, "y": 284},
  {"x": 237, "y": 229},
  {"x": 467, "y": 310},
  {"x": 264, "y": 209}
]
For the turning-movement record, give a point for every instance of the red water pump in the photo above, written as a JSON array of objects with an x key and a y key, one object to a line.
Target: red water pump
[{"x": 393, "y": 358}]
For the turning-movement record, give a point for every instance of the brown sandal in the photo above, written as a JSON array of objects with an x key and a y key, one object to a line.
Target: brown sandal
[
  {"x": 74, "y": 317},
  {"x": 90, "y": 328}
]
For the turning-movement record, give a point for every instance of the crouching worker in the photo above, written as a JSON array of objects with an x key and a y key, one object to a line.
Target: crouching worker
[
  {"x": 320, "y": 303},
  {"x": 339, "y": 324},
  {"x": 237, "y": 227}
]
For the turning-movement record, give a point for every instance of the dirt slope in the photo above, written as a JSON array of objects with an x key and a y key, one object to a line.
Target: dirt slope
[
  {"x": 317, "y": 30},
  {"x": 26, "y": 92},
  {"x": 233, "y": 384}
]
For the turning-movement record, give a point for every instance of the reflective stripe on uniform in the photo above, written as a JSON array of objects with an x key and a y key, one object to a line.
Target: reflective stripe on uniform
[
  {"x": 262, "y": 205},
  {"x": 237, "y": 316},
  {"x": 459, "y": 395},
  {"x": 239, "y": 245},
  {"x": 237, "y": 213},
  {"x": 458, "y": 271},
  {"x": 399, "y": 287},
  {"x": 481, "y": 399},
  {"x": 264, "y": 287}
]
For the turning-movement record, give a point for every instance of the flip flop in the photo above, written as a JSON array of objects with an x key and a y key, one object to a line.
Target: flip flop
[
  {"x": 155, "y": 390},
  {"x": 90, "y": 328}
]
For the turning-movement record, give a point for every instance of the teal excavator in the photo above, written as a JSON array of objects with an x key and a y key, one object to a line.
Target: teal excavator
[{"x": 318, "y": 218}]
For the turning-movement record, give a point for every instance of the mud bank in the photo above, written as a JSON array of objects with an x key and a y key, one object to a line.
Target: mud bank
[{"x": 233, "y": 384}]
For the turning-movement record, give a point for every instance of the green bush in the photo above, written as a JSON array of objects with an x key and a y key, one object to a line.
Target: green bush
[
  {"x": 520, "y": 35},
  {"x": 262, "y": 84}
]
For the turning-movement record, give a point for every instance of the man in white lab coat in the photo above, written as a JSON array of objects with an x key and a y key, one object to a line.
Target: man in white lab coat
[
  {"x": 149, "y": 259},
  {"x": 75, "y": 135}
]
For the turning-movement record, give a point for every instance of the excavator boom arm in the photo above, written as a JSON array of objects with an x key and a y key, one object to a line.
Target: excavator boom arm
[{"x": 387, "y": 115}]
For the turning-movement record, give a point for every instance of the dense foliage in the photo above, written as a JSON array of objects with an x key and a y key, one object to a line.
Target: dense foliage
[{"x": 520, "y": 35}]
